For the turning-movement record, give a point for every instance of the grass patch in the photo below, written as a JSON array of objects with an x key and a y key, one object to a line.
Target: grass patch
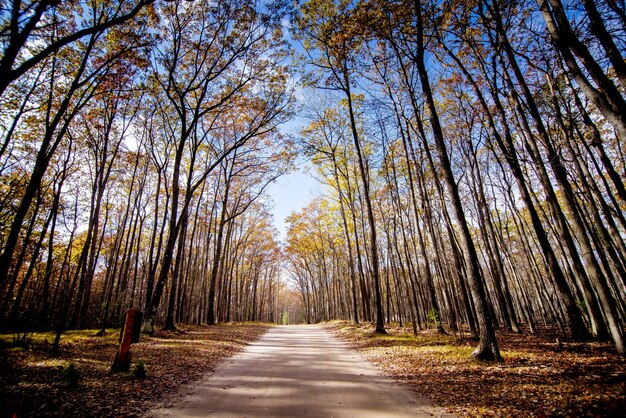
[{"x": 69, "y": 337}]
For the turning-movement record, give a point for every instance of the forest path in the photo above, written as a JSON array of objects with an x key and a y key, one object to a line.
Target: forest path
[{"x": 298, "y": 371}]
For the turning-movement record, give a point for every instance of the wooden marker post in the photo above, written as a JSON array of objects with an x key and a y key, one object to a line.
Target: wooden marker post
[{"x": 130, "y": 334}]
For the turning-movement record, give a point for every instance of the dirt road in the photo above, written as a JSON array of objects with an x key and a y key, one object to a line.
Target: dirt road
[{"x": 298, "y": 371}]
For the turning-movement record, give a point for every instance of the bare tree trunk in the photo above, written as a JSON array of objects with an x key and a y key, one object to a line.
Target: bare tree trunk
[
  {"x": 380, "y": 322},
  {"x": 488, "y": 345}
]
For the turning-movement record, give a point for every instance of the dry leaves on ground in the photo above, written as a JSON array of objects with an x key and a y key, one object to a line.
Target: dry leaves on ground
[
  {"x": 538, "y": 378},
  {"x": 31, "y": 381}
]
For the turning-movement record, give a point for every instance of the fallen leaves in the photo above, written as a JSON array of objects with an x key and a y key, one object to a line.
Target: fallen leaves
[
  {"x": 535, "y": 380},
  {"x": 31, "y": 384},
  {"x": 578, "y": 379}
]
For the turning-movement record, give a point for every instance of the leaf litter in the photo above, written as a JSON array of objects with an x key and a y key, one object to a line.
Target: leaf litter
[
  {"x": 31, "y": 384},
  {"x": 538, "y": 377}
]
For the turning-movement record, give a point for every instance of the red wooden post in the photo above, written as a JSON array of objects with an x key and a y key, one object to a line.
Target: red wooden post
[{"x": 123, "y": 356}]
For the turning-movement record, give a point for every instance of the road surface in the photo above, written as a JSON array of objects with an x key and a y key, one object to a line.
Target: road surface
[{"x": 298, "y": 371}]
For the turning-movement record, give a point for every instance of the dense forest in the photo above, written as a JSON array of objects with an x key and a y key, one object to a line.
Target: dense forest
[{"x": 472, "y": 152}]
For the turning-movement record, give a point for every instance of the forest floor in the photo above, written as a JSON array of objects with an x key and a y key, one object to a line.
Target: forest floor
[
  {"x": 538, "y": 378},
  {"x": 32, "y": 382}
]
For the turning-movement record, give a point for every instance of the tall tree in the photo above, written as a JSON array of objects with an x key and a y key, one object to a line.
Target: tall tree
[
  {"x": 216, "y": 59},
  {"x": 89, "y": 63},
  {"x": 332, "y": 42}
]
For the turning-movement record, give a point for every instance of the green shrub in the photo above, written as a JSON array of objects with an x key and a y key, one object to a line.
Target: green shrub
[
  {"x": 139, "y": 371},
  {"x": 433, "y": 318},
  {"x": 71, "y": 375}
]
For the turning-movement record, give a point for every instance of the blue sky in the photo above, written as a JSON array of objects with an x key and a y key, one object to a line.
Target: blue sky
[
  {"x": 290, "y": 193},
  {"x": 295, "y": 190}
]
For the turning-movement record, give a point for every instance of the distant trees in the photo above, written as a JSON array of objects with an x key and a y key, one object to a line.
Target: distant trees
[
  {"x": 493, "y": 160},
  {"x": 133, "y": 135},
  {"x": 333, "y": 44},
  {"x": 217, "y": 74}
]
